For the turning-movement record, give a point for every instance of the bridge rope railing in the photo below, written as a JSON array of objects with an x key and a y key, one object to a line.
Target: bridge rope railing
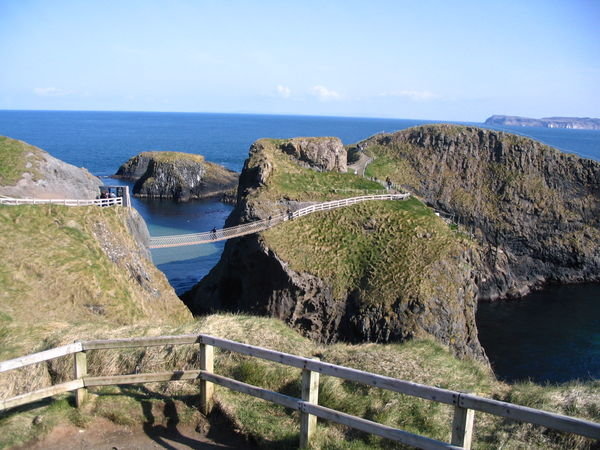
[
  {"x": 261, "y": 225},
  {"x": 115, "y": 201}
]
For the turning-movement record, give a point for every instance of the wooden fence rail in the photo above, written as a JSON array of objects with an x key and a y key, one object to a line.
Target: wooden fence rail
[
  {"x": 117, "y": 201},
  {"x": 464, "y": 404}
]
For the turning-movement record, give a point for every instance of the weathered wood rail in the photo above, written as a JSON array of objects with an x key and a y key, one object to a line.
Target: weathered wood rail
[
  {"x": 464, "y": 404},
  {"x": 117, "y": 201}
]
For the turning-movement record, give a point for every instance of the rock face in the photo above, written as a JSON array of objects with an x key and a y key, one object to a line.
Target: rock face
[
  {"x": 40, "y": 175},
  {"x": 180, "y": 176},
  {"x": 326, "y": 153},
  {"x": 582, "y": 123},
  {"x": 252, "y": 277},
  {"x": 535, "y": 210}
]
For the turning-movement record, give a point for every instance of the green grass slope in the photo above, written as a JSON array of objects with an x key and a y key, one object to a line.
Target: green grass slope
[
  {"x": 16, "y": 157},
  {"x": 65, "y": 267}
]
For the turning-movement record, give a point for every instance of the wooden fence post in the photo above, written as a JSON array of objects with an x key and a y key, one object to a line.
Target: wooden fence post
[
  {"x": 462, "y": 427},
  {"x": 206, "y": 387},
  {"x": 80, "y": 371},
  {"x": 310, "y": 394}
]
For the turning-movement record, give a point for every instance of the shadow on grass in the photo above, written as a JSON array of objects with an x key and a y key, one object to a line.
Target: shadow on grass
[{"x": 217, "y": 428}]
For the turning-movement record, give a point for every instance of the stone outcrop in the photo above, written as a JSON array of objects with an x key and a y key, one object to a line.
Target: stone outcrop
[
  {"x": 580, "y": 123},
  {"x": 327, "y": 153},
  {"x": 40, "y": 175},
  {"x": 534, "y": 209},
  {"x": 252, "y": 277},
  {"x": 180, "y": 176}
]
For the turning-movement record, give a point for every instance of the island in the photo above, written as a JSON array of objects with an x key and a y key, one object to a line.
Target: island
[
  {"x": 578, "y": 123},
  {"x": 176, "y": 175}
]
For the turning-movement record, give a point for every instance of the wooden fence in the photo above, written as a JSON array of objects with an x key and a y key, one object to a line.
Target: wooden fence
[
  {"x": 117, "y": 201},
  {"x": 464, "y": 404}
]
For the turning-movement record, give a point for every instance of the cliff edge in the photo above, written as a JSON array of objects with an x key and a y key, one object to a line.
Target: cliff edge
[
  {"x": 534, "y": 210},
  {"x": 378, "y": 271}
]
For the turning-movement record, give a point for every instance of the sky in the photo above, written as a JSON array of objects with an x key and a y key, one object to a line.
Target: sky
[{"x": 459, "y": 60}]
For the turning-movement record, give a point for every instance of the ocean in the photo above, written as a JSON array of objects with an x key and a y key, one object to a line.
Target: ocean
[{"x": 102, "y": 141}]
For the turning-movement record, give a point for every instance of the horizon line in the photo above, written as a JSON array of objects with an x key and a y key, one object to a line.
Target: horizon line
[{"x": 241, "y": 113}]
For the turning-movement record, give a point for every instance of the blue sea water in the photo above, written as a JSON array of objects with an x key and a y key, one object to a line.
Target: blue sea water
[{"x": 102, "y": 141}]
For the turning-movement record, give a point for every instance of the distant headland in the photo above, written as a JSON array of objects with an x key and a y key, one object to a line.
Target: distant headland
[{"x": 581, "y": 123}]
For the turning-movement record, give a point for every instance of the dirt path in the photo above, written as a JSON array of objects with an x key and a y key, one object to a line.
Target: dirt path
[
  {"x": 102, "y": 434},
  {"x": 359, "y": 166}
]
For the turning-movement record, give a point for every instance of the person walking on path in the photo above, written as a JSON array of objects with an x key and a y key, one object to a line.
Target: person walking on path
[{"x": 388, "y": 183}]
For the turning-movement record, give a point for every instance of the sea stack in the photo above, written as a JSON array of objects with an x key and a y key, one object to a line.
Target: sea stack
[{"x": 176, "y": 175}]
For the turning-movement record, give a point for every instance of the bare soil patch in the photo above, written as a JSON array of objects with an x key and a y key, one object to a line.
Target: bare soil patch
[{"x": 102, "y": 434}]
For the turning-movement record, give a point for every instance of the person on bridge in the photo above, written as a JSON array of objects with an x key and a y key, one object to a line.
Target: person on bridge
[{"x": 213, "y": 233}]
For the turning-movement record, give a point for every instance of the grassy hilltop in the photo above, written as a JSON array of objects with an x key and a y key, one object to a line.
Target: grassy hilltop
[{"x": 377, "y": 271}]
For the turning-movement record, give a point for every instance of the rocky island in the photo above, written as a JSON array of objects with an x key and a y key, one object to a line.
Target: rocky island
[
  {"x": 180, "y": 176},
  {"x": 519, "y": 214},
  {"x": 533, "y": 210},
  {"x": 379, "y": 271},
  {"x": 579, "y": 123}
]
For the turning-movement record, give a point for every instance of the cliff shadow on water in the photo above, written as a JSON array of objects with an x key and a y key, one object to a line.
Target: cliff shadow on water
[{"x": 547, "y": 336}]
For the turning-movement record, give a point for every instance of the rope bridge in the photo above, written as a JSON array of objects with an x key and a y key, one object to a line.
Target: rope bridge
[{"x": 222, "y": 234}]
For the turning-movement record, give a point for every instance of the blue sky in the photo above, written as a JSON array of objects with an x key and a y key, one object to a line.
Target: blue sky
[{"x": 440, "y": 60}]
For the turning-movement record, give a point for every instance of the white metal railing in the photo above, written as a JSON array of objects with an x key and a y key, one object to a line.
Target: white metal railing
[
  {"x": 464, "y": 404},
  {"x": 116, "y": 201},
  {"x": 261, "y": 225}
]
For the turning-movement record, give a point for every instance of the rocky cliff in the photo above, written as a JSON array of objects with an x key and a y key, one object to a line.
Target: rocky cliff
[
  {"x": 384, "y": 271},
  {"x": 581, "y": 123},
  {"x": 324, "y": 154},
  {"x": 535, "y": 210},
  {"x": 180, "y": 176},
  {"x": 28, "y": 171}
]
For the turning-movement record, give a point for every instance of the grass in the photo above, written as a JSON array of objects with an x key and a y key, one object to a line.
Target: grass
[
  {"x": 290, "y": 180},
  {"x": 385, "y": 249},
  {"x": 173, "y": 157},
  {"x": 17, "y": 157},
  {"x": 55, "y": 274},
  {"x": 271, "y": 426}
]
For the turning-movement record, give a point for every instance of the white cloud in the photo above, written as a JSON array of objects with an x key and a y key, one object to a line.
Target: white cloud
[
  {"x": 51, "y": 92},
  {"x": 323, "y": 93},
  {"x": 284, "y": 91},
  {"x": 417, "y": 96}
]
